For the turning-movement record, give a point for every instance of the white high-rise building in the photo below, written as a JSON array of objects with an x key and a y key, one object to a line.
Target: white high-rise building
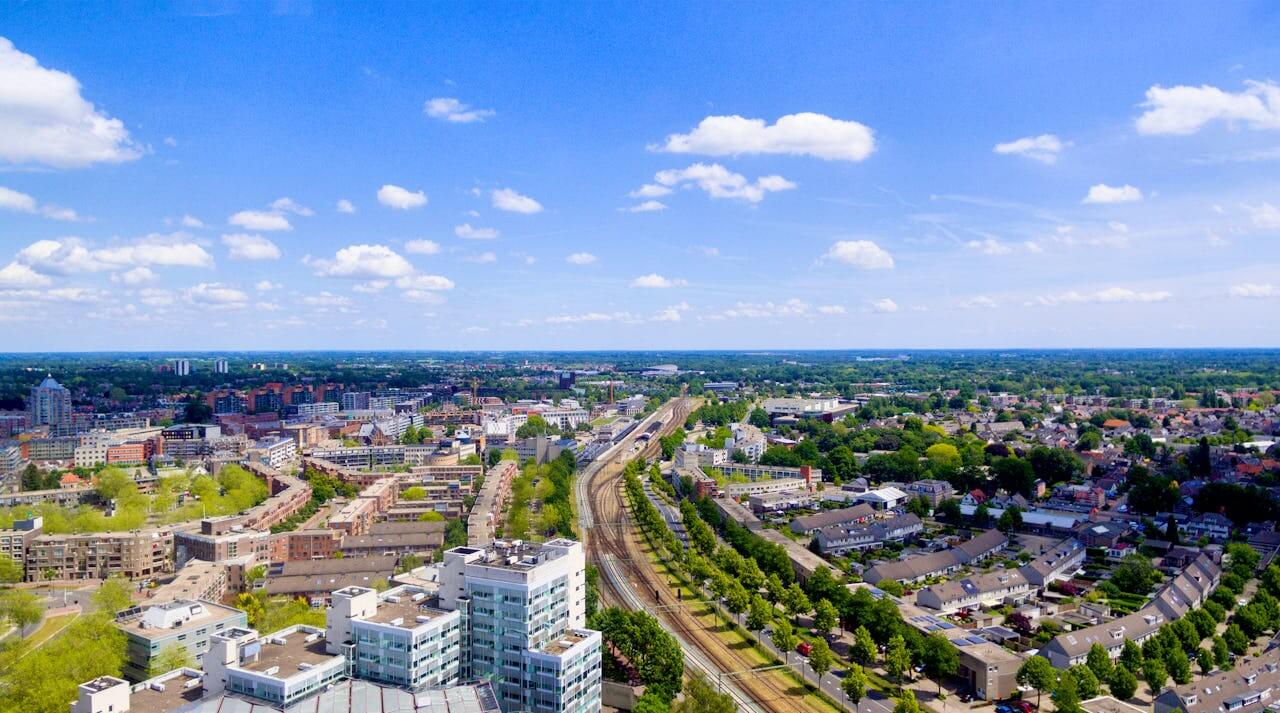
[
  {"x": 524, "y": 623},
  {"x": 50, "y": 403},
  {"x": 182, "y": 367},
  {"x": 220, "y": 366}
]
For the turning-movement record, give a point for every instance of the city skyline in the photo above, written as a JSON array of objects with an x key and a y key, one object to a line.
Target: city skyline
[{"x": 215, "y": 177}]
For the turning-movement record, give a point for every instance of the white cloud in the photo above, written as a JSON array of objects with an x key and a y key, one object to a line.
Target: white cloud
[
  {"x": 250, "y": 247},
  {"x": 363, "y": 262},
  {"x": 580, "y": 259},
  {"x": 650, "y": 190},
  {"x": 214, "y": 294},
  {"x": 346, "y": 206},
  {"x": 1183, "y": 110},
  {"x": 719, "y": 182},
  {"x": 266, "y": 286},
  {"x": 260, "y": 220},
  {"x": 885, "y": 305},
  {"x": 137, "y": 276},
  {"x": 289, "y": 205},
  {"x": 170, "y": 142},
  {"x": 989, "y": 246},
  {"x": 451, "y": 110},
  {"x": 831, "y": 309},
  {"x": 648, "y": 207},
  {"x": 422, "y": 247},
  {"x": 467, "y": 232},
  {"x": 399, "y": 198},
  {"x": 674, "y": 313},
  {"x": 1110, "y": 295},
  {"x": 71, "y": 256},
  {"x": 513, "y": 202},
  {"x": 425, "y": 282},
  {"x": 803, "y": 134},
  {"x": 862, "y": 254},
  {"x": 1102, "y": 193},
  {"x": 155, "y": 297},
  {"x": 482, "y": 258},
  {"x": 426, "y": 297},
  {"x": 372, "y": 287},
  {"x": 19, "y": 202},
  {"x": 1264, "y": 216},
  {"x": 15, "y": 201},
  {"x": 1043, "y": 148},
  {"x": 266, "y": 306},
  {"x": 1254, "y": 290},
  {"x": 1032, "y": 247},
  {"x": 325, "y": 299},
  {"x": 45, "y": 120},
  {"x": 750, "y": 310},
  {"x": 655, "y": 281},
  {"x": 16, "y": 274},
  {"x": 576, "y": 318},
  {"x": 977, "y": 302},
  {"x": 190, "y": 221}
]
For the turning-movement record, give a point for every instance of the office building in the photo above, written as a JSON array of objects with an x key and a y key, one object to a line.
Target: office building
[
  {"x": 188, "y": 623},
  {"x": 393, "y": 638},
  {"x": 49, "y": 403},
  {"x": 524, "y": 608}
]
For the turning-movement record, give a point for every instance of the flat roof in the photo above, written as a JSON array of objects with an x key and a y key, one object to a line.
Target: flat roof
[
  {"x": 563, "y": 643},
  {"x": 294, "y": 651},
  {"x": 178, "y": 692},
  {"x": 405, "y": 610},
  {"x": 210, "y": 613}
]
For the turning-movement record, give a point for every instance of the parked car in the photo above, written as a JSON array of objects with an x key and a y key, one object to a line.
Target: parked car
[
  {"x": 804, "y": 648},
  {"x": 966, "y": 697}
]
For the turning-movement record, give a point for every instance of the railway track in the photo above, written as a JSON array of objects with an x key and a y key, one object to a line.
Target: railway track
[{"x": 611, "y": 543}]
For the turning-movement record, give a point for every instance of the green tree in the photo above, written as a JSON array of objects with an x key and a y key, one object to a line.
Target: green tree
[
  {"x": 431, "y": 516},
  {"x": 1131, "y": 656},
  {"x": 906, "y": 702},
  {"x": 172, "y": 656},
  {"x": 1236, "y": 639},
  {"x": 10, "y": 570},
  {"x": 1221, "y": 654},
  {"x": 20, "y": 607},
  {"x": 650, "y": 703},
  {"x": 919, "y": 507},
  {"x": 736, "y": 598},
  {"x": 820, "y": 658},
  {"x": 1205, "y": 659},
  {"x": 1099, "y": 661},
  {"x": 825, "y": 616},
  {"x": 897, "y": 659},
  {"x": 940, "y": 657},
  {"x": 1154, "y": 673},
  {"x": 1066, "y": 695},
  {"x": 854, "y": 684},
  {"x": 1087, "y": 685},
  {"x": 113, "y": 595},
  {"x": 701, "y": 697},
  {"x": 797, "y": 602},
  {"x": 534, "y": 426},
  {"x": 943, "y": 454},
  {"x": 1010, "y": 520},
  {"x": 1179, "y": 666},
  {"x": 1036, "y": 672},
  {"x": 864, "y": 649},
  {"x": 416, "y": 492},
  {"x": 760, "y": 614},
  {"x": 784, "y": 637},
  {"x": 1123, "y": 683},
  {"x": 1135, "y": 574}
]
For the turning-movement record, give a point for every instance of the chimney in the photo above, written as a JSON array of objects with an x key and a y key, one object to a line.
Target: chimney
[{"x": 807, "y": 473}]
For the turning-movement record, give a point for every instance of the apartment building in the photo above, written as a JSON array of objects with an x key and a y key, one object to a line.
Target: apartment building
[
  {"x": 843, "y": 538},
  {"x": 393, "y": 638},
  {"x": 188, "y": 623},
  {"x": 15, "y": 540},
  {"x": 809, "y": 524},
  {"x": 983, "y": 590},
  {"x": 524, "y": 606},
  {"x": 141, "y": 554},
  {"x": 275, "y": 452}
]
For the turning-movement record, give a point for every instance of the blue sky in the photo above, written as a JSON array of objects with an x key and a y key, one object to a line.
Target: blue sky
[{"x": 212, "y": 175}]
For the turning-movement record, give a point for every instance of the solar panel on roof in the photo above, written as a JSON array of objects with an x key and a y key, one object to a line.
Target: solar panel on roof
[
  {"x": 976, "y": 639},
  {"x": 961, "y": 642}
]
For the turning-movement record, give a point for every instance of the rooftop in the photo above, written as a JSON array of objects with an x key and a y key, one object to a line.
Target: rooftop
[
  {"x": 167, "y": 693},
  {"x": 180, "y": 614},
  {"x": 404, "y": 613},
  {"x": 289, "y": 652},
  {"x": 564, "y": 642}
]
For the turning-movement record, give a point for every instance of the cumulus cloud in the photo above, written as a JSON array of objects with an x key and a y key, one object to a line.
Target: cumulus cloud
[
  {"x": 260, "y": 220},
  {"x": 45, "y": 120},
  {"x": 467, "y": 232},
  {"x": 793, "y": 307},
  {"x": 346, "y": 206},
  {"x": 654, "y": 281},
  {"x": 1184, "y": 110},
  {"x": 650, "y": 190},
  {"x": 1043, "y": 148},
  {"x": 585, "y": 317},
  {"x": 17, "y": 275},
  {"x": 977, "y": 302},
  {"x": 244, "y": 246},
  {"x": 1264, "y": 216},
  {"x": 137, "y": 276},
  {"x": 155, "y": 297},
  {"x": 647, "y": 207},
  {"x": 1110, "y": 295},
  {"x": 325, "y": 299},
  {"x": 67, "y": 256},
  {"x": 394, "y": 196},
  {"x": 1102, "y": 193},
  {"x": 214, "y": 294},
  {"x": 289, "y": 205},
  {"x": 580, "y": 259},
  {"x": 831, "y": 309},
  {"x": 19, "y": 202},
  {"x": 719, "y": 182},
  {"x": 862, "y": 254},
  {"x": 674, "y": 313},
  {"x": 885, "y": 305},
  {"x": 1254, "y": 290},
  {"x": 363, "y": 262},
  {"x": 266, "y": 286},
  {"x": 190, "y": 221},
  {"x": 422, "y": 247},
  {"x": 513, "y": 202},
  {"x": 451, "y": 110},
  {"x": 802, "y": 134},
  {"x": 432, "y": 283}
]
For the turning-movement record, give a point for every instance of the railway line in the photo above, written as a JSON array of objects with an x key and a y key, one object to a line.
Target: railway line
[{"x": 631, "y": 580}]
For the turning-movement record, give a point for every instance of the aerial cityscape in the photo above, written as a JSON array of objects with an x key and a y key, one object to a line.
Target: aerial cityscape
[{"x": 665, "y": 357}]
